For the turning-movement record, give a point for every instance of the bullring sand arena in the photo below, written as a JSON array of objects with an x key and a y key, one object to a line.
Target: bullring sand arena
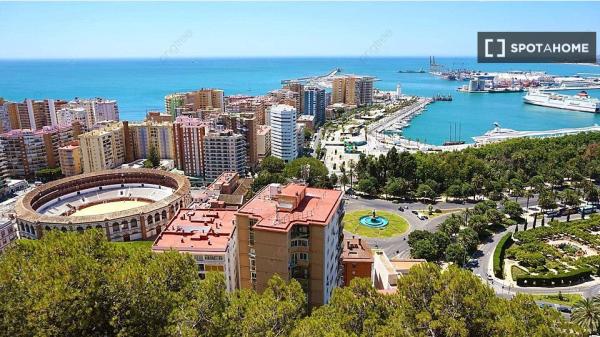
[{"x": 128, "y": 204}]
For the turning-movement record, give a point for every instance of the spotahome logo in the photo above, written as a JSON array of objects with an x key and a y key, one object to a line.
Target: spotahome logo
[{"x": 536, "y": 47}]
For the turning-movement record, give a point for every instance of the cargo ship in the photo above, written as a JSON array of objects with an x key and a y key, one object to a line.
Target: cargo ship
[{"x": 580, "y": 102}]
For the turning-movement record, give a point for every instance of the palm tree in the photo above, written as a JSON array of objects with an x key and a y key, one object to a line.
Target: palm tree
[{"x": 586, "y": 314}]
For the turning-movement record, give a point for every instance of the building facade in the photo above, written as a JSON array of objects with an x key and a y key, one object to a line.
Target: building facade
[
  {"x": 8, "y": 233},
  {"x": 224, "y": 151},
  {"x": 357, "y": 260},
  {"x": 295, "y": 232},
  {"x": 105, "y": 148},
  {"x": 70, "y": 159},
  {"x": 314, "y": 104},
  {"x": 283, "y": 132},
  {"x": 209, "y": 236},
  {"x": 263, "y": 142},
  {"x": 150, "y": 134},
  {"x": 189, "y": 145},
  {"x": 27, "y": 151}
]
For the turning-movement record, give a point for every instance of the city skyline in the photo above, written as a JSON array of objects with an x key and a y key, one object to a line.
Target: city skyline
[{"x": 237, "y": 30}]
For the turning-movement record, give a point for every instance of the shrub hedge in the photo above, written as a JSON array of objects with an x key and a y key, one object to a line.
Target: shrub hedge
[
  {"x": 504, "y": 243},
  {"x": 557, "y": 280}
]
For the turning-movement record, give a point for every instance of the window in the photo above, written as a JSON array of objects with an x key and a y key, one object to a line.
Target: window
[{"x": 116, "y": 227}]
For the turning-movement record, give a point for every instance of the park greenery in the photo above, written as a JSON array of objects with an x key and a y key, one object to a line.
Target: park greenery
[
  {"x": 459, "y": 234},
  {"x": 153, "y": 160},
  {"x": 397, "y": 225},
  {"x": 586, "y": 314},
  {"x": 275, "y": 170},
  {"x": 556, "y": 254},
  {"x": 48, "y": 174},
  {"x": 519, "y": 167},
  {"x": 78, "y": 284}
]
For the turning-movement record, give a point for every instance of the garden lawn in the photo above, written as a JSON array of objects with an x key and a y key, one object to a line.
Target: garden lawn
[
  {"x": 397, "y": 225},
  {"x": 516, "y": 271},
  {"x": 443, "y": 212},
  {"x": 568, "y": 299}
]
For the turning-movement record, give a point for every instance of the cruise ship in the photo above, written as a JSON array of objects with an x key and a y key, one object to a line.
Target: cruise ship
[{"x": 579, "y": 102}]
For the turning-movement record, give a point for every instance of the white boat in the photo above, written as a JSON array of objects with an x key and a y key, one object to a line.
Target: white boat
[{"x": 579, "y": 102}]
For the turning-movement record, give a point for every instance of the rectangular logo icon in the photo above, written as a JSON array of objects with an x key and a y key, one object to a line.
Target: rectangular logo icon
[{"x": 536, "y": 47}]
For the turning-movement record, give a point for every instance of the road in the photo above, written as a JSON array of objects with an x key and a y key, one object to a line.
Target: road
[{"x": 398, "y": 245}]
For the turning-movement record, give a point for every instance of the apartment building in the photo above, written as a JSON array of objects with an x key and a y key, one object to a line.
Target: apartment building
[
  {"x": 287, "y": 97},
  {"x": 177, "y": 103},
  {"x": 27, "y": 151},
  {"x": 4, "y": 119},
  {"x": 70, "y": 159},
  {"x": 245, "y": 124},
  {"x": 69, "y": 115},
  {"x": 106, "y": 148},
  {"x": 357, "y": 260},
  {"x": 298, "y": 88},
  {"x": 150, "y": 134},
  {"x": 8, "y": 233},
  {"x": 33, "y": 114},
  {"x": 263, "y": 142},
  {"x": 315, "y": 104},
  {"x": 189, "y": 145},
  {"x": 224, "y": 151},
  {"x": 209, "y": 236},
  {"x": 293, "y": 231},
  {"x": 283, "y": 132},
  {"x": 352, "y": 90},
  {"x": 257, "y": 105}
]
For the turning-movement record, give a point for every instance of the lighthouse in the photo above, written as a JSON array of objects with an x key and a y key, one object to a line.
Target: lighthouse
[{"x": 398, "y": 91}]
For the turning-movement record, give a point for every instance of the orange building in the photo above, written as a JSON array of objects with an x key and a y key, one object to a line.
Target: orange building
[
  {"x": 357, "y": 260},
  {"x": 293, "y": 231},
  {"x": 209, "y": 236}
]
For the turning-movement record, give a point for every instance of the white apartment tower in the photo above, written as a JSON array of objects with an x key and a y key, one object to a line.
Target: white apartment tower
[{"x": 283, "y": 132}]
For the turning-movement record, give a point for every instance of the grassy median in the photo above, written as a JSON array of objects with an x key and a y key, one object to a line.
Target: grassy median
[{"x": 397, "y": 225}]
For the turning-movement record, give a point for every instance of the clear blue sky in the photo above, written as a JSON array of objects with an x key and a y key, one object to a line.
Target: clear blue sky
[{"x": 101, "y": 30}]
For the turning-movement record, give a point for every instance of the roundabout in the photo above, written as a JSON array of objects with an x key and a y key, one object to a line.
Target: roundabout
[{"x": 375, "y": 224}]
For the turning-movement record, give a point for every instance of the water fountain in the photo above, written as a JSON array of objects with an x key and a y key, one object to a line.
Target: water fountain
[{"x": 373, "y": 221}]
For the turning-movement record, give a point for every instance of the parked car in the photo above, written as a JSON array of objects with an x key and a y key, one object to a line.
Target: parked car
[
  {"x": 414, "y": 212},
  {"x": 564, "y": 309}
]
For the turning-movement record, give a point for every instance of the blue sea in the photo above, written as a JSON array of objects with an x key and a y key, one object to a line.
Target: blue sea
[{"x": 140, "y": 85}]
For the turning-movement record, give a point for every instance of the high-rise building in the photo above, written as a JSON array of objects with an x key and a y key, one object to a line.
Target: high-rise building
[
  {"x": 283, "y": 132},
  {"x": 70, "y": 159},
  {"x": 34, "y": 114},
  {"x": 352, "y": 90},
  {"x": 105, "y": 110},
  {"x": 295, "y": 232},
  {"x": 209, "y": 236},
  {"x": 4, "y": 118},
  {"x": 27, "y": 151},
  {"x": 245, "y": 124},
  {"x": 177, "y": 103},
  {"x": 69, "y": 115},
  {"x": 287, "y": 97},
  {"x": 263, "y": 142},
  {"x": 299, "y": 88},
  {"x": 150, "y": 134},
  {"x": 106, "y": 148},
  {"x": 224, "y": 151},
  {"x": 314, "y": 104},
  {"x": 189, "y": 145}
]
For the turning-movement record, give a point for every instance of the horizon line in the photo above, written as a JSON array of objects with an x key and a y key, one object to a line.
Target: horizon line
[{"x": 226, "y": 57}]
